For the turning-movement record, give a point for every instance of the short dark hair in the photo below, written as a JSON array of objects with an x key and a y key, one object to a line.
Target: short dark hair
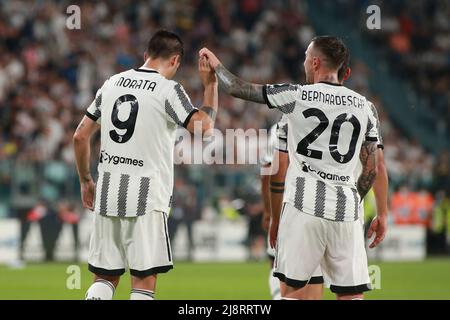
[
  {"x": 334, "y": 49},
  {"x": 343, "y": 69},
  {"x": 164, "y": 44}
]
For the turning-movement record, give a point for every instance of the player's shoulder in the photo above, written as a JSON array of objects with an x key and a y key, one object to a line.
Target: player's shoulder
[
  {"x": 115, "y": 77},
  {"x": 277, "y": 88}
]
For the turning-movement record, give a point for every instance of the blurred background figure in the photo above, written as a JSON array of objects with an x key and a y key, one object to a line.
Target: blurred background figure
[{"x": 49, "y": 74}]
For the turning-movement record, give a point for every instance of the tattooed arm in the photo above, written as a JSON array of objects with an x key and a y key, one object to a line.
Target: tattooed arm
[
  {"x": 232, "y": 84},
  {"x": 368, "y": 157},
  {"x": 237, "y": 87}
]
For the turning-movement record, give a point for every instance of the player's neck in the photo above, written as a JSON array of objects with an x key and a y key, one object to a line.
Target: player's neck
[
  {"x": 330, "y": 77},
  {"x": 155, "y": 65}
]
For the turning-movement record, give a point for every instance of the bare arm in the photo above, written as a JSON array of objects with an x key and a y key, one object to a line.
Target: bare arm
[
  {"x": 232, "y": 84},
  {"x": 208, "y": 112},
  {"x": 381, "y": 185},
  {"x": 369, "y": 162},
  {"x": 265, "y": 180},
  {"x": 237, "y": 87},
  {"x": 277, "y": 181},
  {"x": 81, "y": 143}
]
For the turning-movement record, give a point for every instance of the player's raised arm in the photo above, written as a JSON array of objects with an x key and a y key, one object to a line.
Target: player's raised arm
[
  {"x": 232, "y": 84},
  {"x": 81, "y": 143},
  {"x": 208, "y": 112}
]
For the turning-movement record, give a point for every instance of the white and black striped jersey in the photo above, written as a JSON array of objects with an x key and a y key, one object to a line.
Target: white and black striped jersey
[
  {"x": 277, "y": 141},
  {"x": 139, "y": 111},
  {"x": 327, "y": 124}
]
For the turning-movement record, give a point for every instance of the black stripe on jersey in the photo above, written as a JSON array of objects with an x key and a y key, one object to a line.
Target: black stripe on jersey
[
  {"x": 98, "y": 104},
  {"x": 282, "y": 150},
  {"x": 372, "y": 139},
  {"x": 143, "y": 195},
  {"x": 299, "y": 193},
  {"x": 319, "y": 202},
  {"x": 145, "y": 70},
  {"x": 171, "y": 112},
  {"x": 280, "y": 88},
  {"x": 340, "y": 204},
  {"x": 123, "y": 194},
  {"x": 187, "y": 105},
  {"x": 266, "y": 99},
  {"x": 356, "y": 200},
  {"x": 106, "y": 177},
  {"x": 169, "y": 254},
  {"x": 287, "y": 108},
  {"x": 91, "y": 116},
  {"x": 188, "y": 118}
]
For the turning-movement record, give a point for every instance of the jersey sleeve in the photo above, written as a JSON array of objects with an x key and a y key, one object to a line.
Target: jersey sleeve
[
  {"x": 281, "y": 134},
  {"x": 281, "y": 96},
  {"x": 377, "y": 124},
  {"x": 94, "y": 111},
  {"x": 178, "y": 106},
  {"x": 372, "y": 130}
]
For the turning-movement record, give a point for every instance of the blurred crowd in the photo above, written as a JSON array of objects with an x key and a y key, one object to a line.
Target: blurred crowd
[{"x": 49, "y": 75}]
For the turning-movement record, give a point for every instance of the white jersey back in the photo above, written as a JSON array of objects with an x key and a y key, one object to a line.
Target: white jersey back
[
  {"x": 277, "y": 141},
  {"x": 327, "y": 125},
  {"x": 139, "y": 111}
]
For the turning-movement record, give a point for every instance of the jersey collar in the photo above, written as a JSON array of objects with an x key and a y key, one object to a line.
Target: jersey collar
[
  {"x": 145, "y": 69},
  {"x": 331, "y": 84}
]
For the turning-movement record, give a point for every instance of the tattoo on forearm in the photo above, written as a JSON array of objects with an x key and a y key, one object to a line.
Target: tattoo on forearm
[
  {"x": 210, "y": 112},
  {"x": 368, "y": 161},
  {"x": 276, "y": 187},
  {"x": 237, "y": 87}
]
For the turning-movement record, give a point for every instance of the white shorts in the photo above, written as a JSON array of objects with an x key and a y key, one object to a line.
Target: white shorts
[
  {"x": 306, "y": 242},
  {"x": 316, "y": 278},
  {"x": 140, "y": 244}
]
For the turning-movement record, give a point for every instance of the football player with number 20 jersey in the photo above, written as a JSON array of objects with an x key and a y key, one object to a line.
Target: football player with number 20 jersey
[{"x": 331, "y": 129}]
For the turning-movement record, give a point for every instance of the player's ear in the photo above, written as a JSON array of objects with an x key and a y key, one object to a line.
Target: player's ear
[
  {"x": 316, "y": 63},
  {"x": 175, "y": 60},
  {"x": 145, "y": 56},
  {"x": 347, "y": 74}
]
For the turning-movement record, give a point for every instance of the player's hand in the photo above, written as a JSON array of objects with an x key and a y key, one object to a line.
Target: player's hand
[
  {"x": 207, "y": 75},
  {"x": 87, "y": 194},
  {"x": 379, "y": 227},
  {"x": 212, "y": 59},
  {"x": 273, "y": 233}
]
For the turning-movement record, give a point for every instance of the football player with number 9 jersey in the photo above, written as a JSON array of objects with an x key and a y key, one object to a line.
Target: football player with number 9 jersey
[{"x": 138, "y": 112}]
